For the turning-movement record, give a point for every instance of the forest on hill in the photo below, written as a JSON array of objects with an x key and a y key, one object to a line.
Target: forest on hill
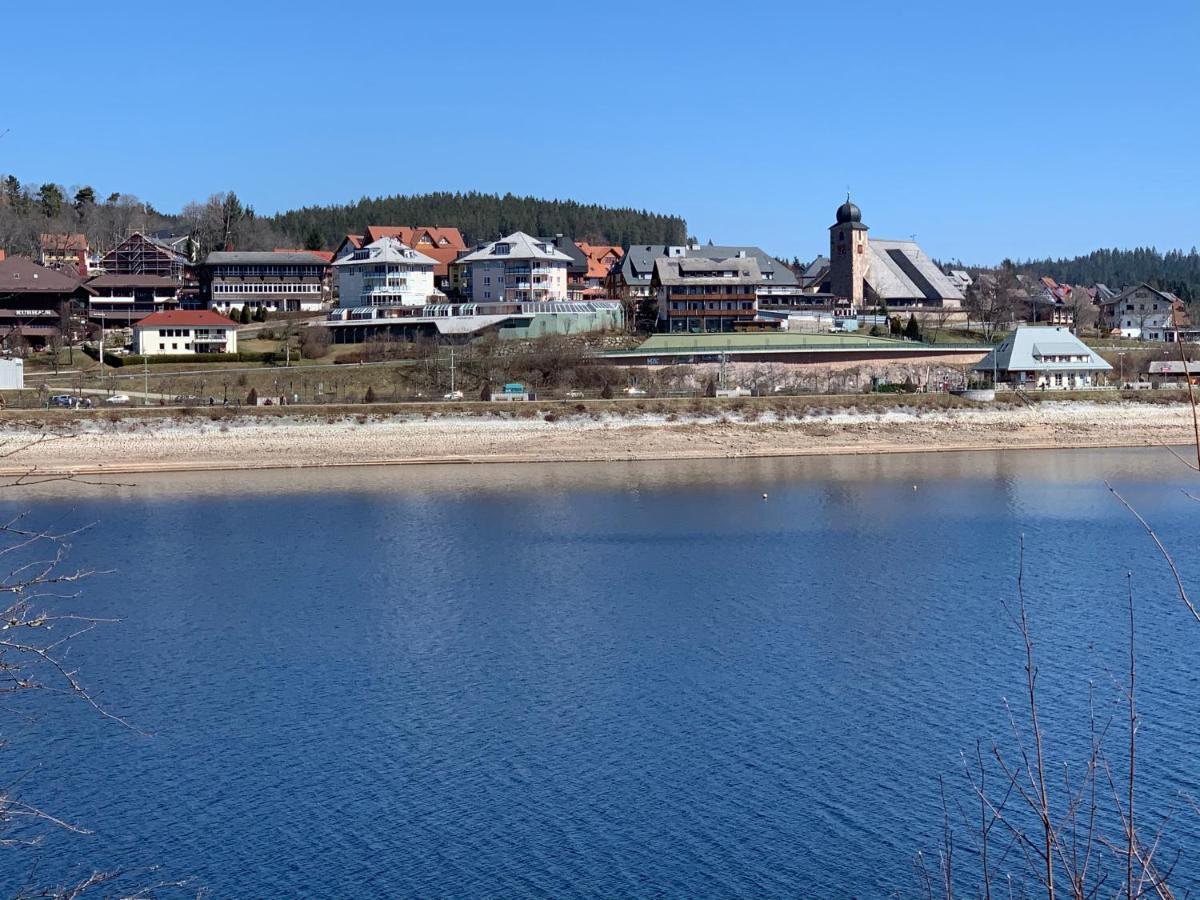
[
  {"x": 1174, "y": 271},
  {"x": 484, "y": 217},
  {"x": 29, "y": 210}
]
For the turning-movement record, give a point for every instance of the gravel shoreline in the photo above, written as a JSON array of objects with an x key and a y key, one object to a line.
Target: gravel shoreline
[{"x": 131, "y": 444}]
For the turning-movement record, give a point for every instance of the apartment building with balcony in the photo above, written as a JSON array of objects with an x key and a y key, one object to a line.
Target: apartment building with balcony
[
  {"x": 290, "y": 282},
  {"x": 697, "y": 295},
  {"x": 517, "y": 269},
  {"x": 386, "y": 272}
]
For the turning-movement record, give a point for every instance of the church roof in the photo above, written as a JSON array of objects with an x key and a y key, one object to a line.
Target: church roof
[{"x": 900, "y": 270}]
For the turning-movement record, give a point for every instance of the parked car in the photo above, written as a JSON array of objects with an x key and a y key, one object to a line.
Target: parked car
[
  {"x": 574, "y": 395},
  {"x": 634, "y": 392},
  {"x": 453, "y": 395},
  {"x": 117, "y": 400},
  {"x": 65, "y": 401}
]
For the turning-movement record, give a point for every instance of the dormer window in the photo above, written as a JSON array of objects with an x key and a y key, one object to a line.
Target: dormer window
[{"x": 501, "y": 249}]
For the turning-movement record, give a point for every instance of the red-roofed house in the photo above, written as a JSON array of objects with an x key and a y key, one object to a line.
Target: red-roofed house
[
  {"x": 442, "y": 244},
  {"x": 349, "y": 244},
  {"x": 64, "y": 251},
  {"x": 185, "y": 331},
  {"x": 601, "y": 259}
]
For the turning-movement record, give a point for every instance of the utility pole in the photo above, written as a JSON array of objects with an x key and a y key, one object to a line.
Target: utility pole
[
  {"x": 146, "y": 380},
  {"x": 452, "y": 368}
]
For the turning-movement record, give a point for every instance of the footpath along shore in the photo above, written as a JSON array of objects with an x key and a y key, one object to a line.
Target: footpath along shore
[{"x": 166, "y": 442}]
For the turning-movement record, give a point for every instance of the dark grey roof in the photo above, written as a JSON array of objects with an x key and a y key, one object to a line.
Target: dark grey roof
[
  {"x": 637, "y": 265},
  {"x": 579, "y": 260},
  {"x": 260, "y": 258}
]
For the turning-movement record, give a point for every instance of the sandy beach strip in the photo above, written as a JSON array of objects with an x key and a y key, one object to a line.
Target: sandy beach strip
[{"x": 195, "y": 443}]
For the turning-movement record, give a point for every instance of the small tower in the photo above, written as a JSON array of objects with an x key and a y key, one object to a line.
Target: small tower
[{"x": 848, "y": 254}]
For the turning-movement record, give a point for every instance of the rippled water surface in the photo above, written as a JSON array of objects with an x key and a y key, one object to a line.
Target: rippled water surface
[{"x": 592, "y": 680}]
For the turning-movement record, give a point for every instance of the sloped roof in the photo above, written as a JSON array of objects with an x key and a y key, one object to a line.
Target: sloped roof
[
  {"x": 388, "y": 249},
  {"x": 185, "y": 318},
  {"x": 61, "y": 242},
  {"x": 322, "y": 255},
  {"x": 1026, "y": 348},
  {"x": 21, "y": 275},
  {"x": 638, "y": 264},
  {"x": 261, "y": 258},
  {"x": 521, "y": 246},
  {"x": 579, "y": 260},
  {"x": 771, "y": 269},
  {"x": 901, "y": 270},
  {"x": 412, "y": 235},
  {"x": 702, "y": 270},
  {"x": 595, "y": 253}
]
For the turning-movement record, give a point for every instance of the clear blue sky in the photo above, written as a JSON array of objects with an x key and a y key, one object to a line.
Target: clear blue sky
[{"x": 988, "y": 130}]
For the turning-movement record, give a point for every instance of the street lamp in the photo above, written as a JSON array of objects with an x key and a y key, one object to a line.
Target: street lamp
[{"x": 1121, "y": 359}]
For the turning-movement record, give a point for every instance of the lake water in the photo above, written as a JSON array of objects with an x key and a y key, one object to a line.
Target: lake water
[{"x": 622, "y": 680}]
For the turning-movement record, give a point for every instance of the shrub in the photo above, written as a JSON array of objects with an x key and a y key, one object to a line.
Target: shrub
[
  {"x": 315, "y": 342},
  {"x": 252, "y": 397},
  {"x": 369, "y": 396},
  {"x": 606, "y": 392}
]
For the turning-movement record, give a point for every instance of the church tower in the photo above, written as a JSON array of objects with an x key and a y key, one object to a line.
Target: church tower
[{"x": 848, "y": 253}]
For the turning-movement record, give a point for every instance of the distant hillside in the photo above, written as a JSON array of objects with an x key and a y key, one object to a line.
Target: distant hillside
[
  {"x": 1174, "y": 271},
  {"x": 483, "y": 217}
]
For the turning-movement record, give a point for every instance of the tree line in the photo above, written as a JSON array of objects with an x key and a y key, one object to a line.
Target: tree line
[
  {"x": 483, "y": 217},
  {"x": 28, "y": 211},
  {"x": 1174, "y": 271}
]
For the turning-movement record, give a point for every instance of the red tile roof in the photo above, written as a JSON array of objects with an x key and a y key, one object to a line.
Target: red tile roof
[
  {"x": 595, "y": 253},
  {"x": 442, "y": 244},
  {"x": 63, "y": 242},
  {"x": 185, "y": 318}
]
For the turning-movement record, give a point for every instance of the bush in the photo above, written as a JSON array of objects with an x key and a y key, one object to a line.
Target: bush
[
  {"x": 485, "y": 393},
  {"x": 606, "y": 392},
  {"x": 912, "y": 330},
  {"x": 260, "y": 315},
  {"x": 369, "y": 396},
  {"x": 244, "y": 315},
  {"x": 315, "y": 342},
  {"x": 252, "y": 397}
]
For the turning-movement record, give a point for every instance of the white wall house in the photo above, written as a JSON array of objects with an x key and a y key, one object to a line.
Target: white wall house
[
  {"x": 517, "y": 269},
  {"x": 1046, "y": 357},
  {"x": 184, "y": 332},
  {"x": 386, "y": 273}
]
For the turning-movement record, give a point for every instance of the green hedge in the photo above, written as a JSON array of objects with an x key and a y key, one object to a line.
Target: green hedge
[{"x": 133, "y": 359}]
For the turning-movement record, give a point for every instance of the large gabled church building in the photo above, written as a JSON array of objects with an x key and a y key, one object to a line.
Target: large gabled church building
[{"x": 872, "y": 272}]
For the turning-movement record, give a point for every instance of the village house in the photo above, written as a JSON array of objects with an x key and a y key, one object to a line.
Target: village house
[
  {"x": 184, "y": 332},
  {"x": 289, "y": 282},
  {"x": 1046, "y": 357},
  {"x": 1145, "y": 313},
  {"x": 37, "y": 303},
  {"x": 68, "y": 252},
  {"x": 630, "y": 281},
  {"x": 386, "y": 272},
  {"x": 602, "y": 258},
  {"x": 697, "y": 295},
  {"x": 517, "y": 268}
]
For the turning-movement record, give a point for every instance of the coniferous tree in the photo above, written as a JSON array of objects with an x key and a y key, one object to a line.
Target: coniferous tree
[{"x": 912, "y": 330}]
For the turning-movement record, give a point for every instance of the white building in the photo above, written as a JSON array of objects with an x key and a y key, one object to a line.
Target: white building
[
  {"x": 518, "y": 268},
  {"x": 386, "y": 273},
  {"x": 1047, "y": 357},
  {"x": 184, "y": 332}
]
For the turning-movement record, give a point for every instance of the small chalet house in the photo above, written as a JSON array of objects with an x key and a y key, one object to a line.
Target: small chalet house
[
  {"x": 602, "y": 259},
  {"x": 1047, "y": 357},
  {"x": 698, "y": 295},
  {"x": 65, "y": 252},
  {"x": 517, "y": 269},
  {"x": 184, "y": 332}
]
